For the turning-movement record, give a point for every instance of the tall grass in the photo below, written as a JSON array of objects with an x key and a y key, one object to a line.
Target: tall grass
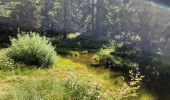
[
  {"x": 37, "y": 90},
  {"x": 51, "y": 89}
]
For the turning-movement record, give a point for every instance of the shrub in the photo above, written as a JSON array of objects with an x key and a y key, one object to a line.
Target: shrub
[
  {"x": 130, "y": 89},
  {"x": 31, "y": 49},
  {"x": 83, "y": 89},
  {"x": 104, "y": 55},
  {"x": 120, "y": 53}
]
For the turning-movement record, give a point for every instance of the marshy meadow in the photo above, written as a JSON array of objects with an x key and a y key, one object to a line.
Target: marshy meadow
[{"x": 84, "y": 49}]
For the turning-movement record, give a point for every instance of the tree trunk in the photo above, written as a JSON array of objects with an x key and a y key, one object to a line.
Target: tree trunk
[
  {"x": 67, "y": 6},
  {"x": 93, "y": 17},
  {"x": 100, "y": 16}
]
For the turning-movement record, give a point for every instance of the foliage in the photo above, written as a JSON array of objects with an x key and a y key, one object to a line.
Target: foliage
[
  {"x": 129, "y": 90},
  {"x": 94, "y": 17},
  {"x": 50, "y": 89},
  {"x": 119, "y": 53},
  {"x": 26, "y": 13},
  {"x": 71, "y": 88},
  {"x": 6, "y": 7},
  {"x": 31, "y": 49},
  {"x": 73, "y": 36},
  {"x": 46, "y": 89},
  {"x": 105, "y": 80},
  {"x": 6, "y": 63},
  {"x": 102, "y": 57},
  {"x": 84, "y": 90},
  {"x": 82, "y": 44},
  {"x": 71, "y": 53}
]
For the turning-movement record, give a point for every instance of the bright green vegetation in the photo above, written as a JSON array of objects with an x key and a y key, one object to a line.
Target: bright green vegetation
[
  {"x": 75, "y": 73},
  {"x": 67, "y": 79},
  {"x": 31, "y": 49},
  {"x": 84, "y": 50},
  {"x": 50, "y": 89},
  {"x": 79, "y": 45}
]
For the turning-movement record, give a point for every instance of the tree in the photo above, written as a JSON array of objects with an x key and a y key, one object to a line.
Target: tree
[
  {"x": 67, "y": 10},
  {"x": 24, "y": 16},
  {"x": 47, "y": 26},
  {"x": 101, "y": 13}
]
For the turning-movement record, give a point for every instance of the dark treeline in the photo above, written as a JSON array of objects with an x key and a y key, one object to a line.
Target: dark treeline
[
  {"x": 94, "y": 17},
  {"x": 164, "y": 2}
]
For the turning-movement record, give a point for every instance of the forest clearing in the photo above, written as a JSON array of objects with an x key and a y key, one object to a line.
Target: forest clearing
[{"x": 84, "y": 50}]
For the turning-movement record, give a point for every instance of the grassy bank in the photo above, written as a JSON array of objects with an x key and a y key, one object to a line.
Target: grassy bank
[{"x": 63, "y": 68}]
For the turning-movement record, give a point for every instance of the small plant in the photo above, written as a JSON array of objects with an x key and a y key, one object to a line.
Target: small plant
[
  {"x": 32, "y": 49},
  {"x": 6, "y": 63},
  {"x": 129, "y": 90},
  {"x": 83, "y": 89}
]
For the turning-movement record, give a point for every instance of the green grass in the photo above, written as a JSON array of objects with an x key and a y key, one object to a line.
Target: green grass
[
  {"x": 71, "y": 52},
  {"x": 63, "y": 67},
  {"x": 2, "y": 52},
  {"x": 36, "y": 90}
]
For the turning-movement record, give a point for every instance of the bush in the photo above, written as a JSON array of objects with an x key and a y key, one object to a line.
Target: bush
[
  {"x": 84, "y": 89},
  {"x": 104, "y": 55},
  {"x": 120, "y": 53},
  {"x": 31, "y": 49}
]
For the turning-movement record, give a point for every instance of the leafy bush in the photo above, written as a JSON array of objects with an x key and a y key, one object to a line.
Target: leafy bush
[
  {"x": 84, "y": 89},
  {"x": 31, "y": 49},
  {"x": 6, "y": 63},
  {"x": 130, "y": 89},
  {"x": 120, "y": 53},
  {"x": 104, "y": 55}
]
